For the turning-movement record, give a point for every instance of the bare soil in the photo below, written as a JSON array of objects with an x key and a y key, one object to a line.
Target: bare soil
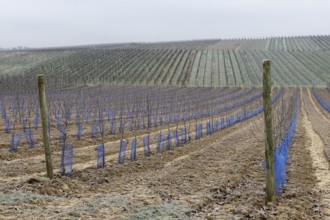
[
  {"x": 318, "y": 148},
  {"x": 218, "y": 177}
]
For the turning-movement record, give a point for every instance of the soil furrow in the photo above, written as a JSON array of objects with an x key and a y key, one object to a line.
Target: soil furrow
[{"x": 320, "y": 163}]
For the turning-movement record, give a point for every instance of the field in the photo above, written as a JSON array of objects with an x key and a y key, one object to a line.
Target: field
[
  {"x": 299, "y": 61},
  {"x": 166, "y": 130}
]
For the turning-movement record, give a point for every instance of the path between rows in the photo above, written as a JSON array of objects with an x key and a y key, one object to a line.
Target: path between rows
[
  {"x": 320, "y": 163},
  {"x": 316, "y": 106}
]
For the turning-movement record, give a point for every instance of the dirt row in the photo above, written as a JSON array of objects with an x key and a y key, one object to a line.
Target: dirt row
[
  {"x": 217, "y": 177},
  {"x": 320, "y": 119},
  {"x": 317, "y": 126}
]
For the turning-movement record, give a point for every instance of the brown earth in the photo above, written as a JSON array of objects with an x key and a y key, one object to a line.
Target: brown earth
[{"x": 218, "y": 177}]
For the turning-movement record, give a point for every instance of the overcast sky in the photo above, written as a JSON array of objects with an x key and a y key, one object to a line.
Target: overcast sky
[{"x": 43, "y": 23}]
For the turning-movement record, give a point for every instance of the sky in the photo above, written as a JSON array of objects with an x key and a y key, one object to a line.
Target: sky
[{"x": 53, "y": 23}]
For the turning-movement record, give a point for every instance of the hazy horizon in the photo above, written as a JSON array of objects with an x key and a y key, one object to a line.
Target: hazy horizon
[{"x": 68, "y": 23}]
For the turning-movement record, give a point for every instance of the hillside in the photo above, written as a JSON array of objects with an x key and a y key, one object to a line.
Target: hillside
[{"x": 296, "y": 61}]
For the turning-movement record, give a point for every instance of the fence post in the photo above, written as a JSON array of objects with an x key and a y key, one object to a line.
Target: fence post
[
  {"x": 269, "y": 139},
  {"x": 44, "y": 120}
]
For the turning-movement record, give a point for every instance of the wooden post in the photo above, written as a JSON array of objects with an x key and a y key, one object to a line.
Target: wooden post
[
  {"x": 269, "y": 139},
  {"x": 44, "y": 120}
]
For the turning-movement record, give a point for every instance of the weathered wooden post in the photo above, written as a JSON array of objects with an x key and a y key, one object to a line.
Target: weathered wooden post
[
  {"x": 44, "y": 120},
  {"x": 269, "y": 139}
]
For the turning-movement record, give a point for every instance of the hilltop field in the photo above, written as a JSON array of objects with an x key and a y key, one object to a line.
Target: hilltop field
[{"x": 296, "y": 61}]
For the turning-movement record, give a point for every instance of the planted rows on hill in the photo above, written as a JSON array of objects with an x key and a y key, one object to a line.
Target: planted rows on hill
[
  {"x": 308, "y": 43},
  {"x": 200, "y": 68},
  {"x": 137, "y": 114},
  {"x": 299, "y": 61}
]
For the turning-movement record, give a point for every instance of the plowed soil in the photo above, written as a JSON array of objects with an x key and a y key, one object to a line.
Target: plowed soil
[{"x": 218, "y": 177}]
